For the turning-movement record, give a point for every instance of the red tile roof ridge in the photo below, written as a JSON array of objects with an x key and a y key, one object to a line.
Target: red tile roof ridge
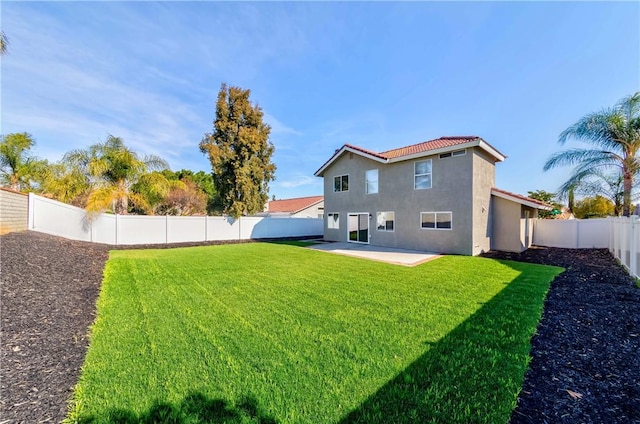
[
  {"x": 519, "y": 196},
  {"x": 293, "y": 205},
  {"x": 363, "y": 150}
]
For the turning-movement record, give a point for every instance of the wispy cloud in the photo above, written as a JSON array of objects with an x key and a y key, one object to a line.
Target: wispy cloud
[{"x": 299, "y": 181}]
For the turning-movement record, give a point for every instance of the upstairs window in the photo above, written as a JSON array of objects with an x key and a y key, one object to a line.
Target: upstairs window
[
  {"x": 341, "y": 183},
  {"x": 371, "y": 184},
  {"x": 422, "y": 174}
]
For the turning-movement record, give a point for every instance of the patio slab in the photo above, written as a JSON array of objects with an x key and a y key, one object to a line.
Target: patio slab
[{"x": 390, "y": 255}]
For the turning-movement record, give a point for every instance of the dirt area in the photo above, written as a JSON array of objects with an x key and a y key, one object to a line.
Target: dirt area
[{"x": 586, "y": 353}]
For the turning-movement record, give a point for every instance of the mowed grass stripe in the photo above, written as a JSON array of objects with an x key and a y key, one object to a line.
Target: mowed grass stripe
[{"x": 306, "y": 336}]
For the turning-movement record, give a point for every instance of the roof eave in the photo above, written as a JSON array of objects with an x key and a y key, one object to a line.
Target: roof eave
[
  {"x": 524, "y": 202},
  {"x": 342, "y": 150}
]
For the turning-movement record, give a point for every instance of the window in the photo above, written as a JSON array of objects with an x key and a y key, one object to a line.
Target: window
[
  {"x": 371, "y": 185},
  {"x": 385, "y": 221},
  {"x": 459, "y": 152},
  {"x": 454, "y": 153},
  {"x": 436, "y": 220},
  {"x": 333, "y": 221},
  {"x": 341, "y": 183},
  {"x": 422, "y": 174}
]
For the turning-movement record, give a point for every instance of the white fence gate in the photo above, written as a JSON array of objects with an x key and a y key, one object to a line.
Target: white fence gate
[
  {"x": 59, "y": 219},
  {"x": 620, "y": 235}
]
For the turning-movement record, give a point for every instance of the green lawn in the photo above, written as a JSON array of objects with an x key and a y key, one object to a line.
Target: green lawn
[{"x": 277, "y": 333}]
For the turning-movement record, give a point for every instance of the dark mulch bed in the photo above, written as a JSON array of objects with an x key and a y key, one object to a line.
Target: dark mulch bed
[
  {"x": 49, "y": 289},
  {"x": 586, "y": 353}
]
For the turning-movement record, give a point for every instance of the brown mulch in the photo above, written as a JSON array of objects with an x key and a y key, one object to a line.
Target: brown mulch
[
  {"x": 585, "y": 364},
  {"x": 49, "y": 288},
  {"x": 586, "y": 353}
]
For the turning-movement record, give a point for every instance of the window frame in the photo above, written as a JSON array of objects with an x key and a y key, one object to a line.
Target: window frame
[
  {"x": 393, "y": 222},
  {"x": 342, "y": 176},
  {"x": 367, "y": 181},
  {"x": 335, "y": 221},
  {"x": 435, "y": 221},
  {"x": 416, "y": 175}
]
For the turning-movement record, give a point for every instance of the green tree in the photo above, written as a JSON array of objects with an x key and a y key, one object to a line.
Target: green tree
[
  {"x": 19, "y": 169},
  {"x": 593, "y": 207},
  {"x": 204, "y": 182},
  {"x": 615, "y": 135},
  {"x": 240, "y": 153},
  {"x": 549, "y": 198},
  {"x": 113, "y": 169},
  {"x": 66, "y": 183}
]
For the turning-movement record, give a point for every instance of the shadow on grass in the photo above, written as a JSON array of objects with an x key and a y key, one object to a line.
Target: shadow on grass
[
  {"x": 475, "y": 372},
  {"x": 196, "y": 408}
]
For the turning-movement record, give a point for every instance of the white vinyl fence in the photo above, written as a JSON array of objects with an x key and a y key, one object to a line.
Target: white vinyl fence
[
  {"x": 52, "y": 217},
  {"x": 620, "y": 235}
]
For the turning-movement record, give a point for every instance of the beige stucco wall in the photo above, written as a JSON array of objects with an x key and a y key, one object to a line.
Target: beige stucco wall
[
  {"x": 14, "y": 211},
  {"x": 510, "y": 224},
  {"x": 483, "y": 181},
  {"x": 452, "y": 191}
]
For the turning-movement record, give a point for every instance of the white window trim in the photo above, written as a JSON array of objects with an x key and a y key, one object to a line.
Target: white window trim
[
  {"x": 394, "y": 222},
  {"x": 334, "y": 183},
  {"x": 420, "y": 175},
  {"x": 366, "y": 181},
  {"x": 436, "y": 221}
]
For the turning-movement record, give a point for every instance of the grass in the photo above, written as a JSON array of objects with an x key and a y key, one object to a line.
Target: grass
[{"x": 275, "y": 333}]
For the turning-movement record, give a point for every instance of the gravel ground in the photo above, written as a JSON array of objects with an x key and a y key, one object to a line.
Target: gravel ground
[{"x": 586, "y": 353}]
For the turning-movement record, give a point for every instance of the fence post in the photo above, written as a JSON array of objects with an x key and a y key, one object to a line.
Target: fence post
[
  {"x": 632, "y": 246},
  {"x": 117, "y": 228}
]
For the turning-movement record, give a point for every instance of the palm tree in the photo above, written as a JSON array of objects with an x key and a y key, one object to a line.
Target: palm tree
[
  {"x": 112, "y": 169},
  {"x": 18, "y": 168},
  {"x": 4, "y": 43},
  {"x": 615, "y": 134}
]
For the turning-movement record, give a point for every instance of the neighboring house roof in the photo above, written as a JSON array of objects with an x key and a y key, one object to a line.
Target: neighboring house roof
[
  {"x": 426, "y": 148},
  {"x": 523, "y": 200},
  {"x": 293, "y": 205}
]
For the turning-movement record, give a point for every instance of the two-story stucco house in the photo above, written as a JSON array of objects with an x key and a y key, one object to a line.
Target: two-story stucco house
[{"x": 437, "y": 196}]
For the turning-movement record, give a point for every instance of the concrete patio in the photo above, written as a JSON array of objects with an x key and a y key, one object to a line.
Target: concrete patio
[{"x": 377, "y": 253}]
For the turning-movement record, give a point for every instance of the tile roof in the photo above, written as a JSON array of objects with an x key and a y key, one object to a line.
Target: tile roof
[
  {"x": 425, "y": 146},
  {"x": 439, "y": 145},
  {"x": 293, "y": 205},
  {"x": 521, "y": 199}
]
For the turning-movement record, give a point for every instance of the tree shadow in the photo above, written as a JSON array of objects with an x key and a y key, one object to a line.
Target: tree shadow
[
  {"x": 195, "y": 408},
  {"x": 475, "y": 372}
]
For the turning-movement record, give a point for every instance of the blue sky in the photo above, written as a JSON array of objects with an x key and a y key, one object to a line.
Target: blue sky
[{"x": 375, "y": 74}]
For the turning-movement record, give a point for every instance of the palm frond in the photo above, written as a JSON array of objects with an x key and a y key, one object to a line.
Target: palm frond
[{"x": 576, "y": 156}]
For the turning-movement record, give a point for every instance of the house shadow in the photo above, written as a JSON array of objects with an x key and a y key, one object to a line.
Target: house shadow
[
  {"x": 195, "y": 408},
  {"x": 473, "y": 373}
]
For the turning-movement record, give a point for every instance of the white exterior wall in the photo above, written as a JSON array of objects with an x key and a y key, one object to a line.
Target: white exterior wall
[{"x": 59, "y": 219}]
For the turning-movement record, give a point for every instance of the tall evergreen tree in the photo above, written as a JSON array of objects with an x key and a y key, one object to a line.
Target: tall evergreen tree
[{"x": 240, "y": 153}]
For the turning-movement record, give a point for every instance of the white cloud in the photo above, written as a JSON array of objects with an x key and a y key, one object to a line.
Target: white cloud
[{"x": 299, "y": 181}]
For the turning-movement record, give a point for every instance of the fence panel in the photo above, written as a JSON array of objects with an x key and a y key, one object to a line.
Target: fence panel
[
  {"x": 56, "y": 218},
  {"x": 222, "y": 228},
  {"x": 181, "y": 229},
  {"x": 572, "y": 234}
]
